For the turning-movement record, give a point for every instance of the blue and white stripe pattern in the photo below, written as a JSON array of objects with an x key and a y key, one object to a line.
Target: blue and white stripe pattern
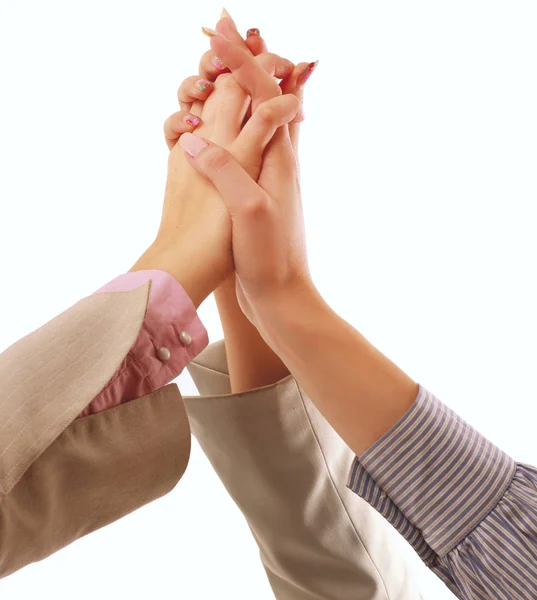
[{"x": 466, "y": 507}]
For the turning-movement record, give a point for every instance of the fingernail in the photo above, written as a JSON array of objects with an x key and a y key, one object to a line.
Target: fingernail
[
  {"x": 211, "y": 32},
  {"x": 253, "y": 31},
  {"x": 225, "y": 14},
  {"x": 192, "y": 120},
  {"x": 192, "y": 144},
  {"x": 218, "y": 63},
  {"x": 307, "y": 72},
  {"x": 203, "y": 84}
]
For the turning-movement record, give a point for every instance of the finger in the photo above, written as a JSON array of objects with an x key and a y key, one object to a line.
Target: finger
[
  {"x": 229, "y": 111},
  {"x": 250, "y": 145},
  {"x": 280, "y": 161},
  {"x": 192, "y": 89},
  {"x": 238, "y": 190},
  {"x": 248, "y": 72},
  {"x": 275, "y": 65},
  {"x": 227, "y": 27},
  {"x": 211, "y": 66},
  {"x": 295, "y": 84},
  {"x": 179, "y": 123},
  {"x": 255, "y": 42}
]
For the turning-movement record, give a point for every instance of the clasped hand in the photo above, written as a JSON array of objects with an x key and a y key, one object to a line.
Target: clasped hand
[{"x": 232, "y": 201}]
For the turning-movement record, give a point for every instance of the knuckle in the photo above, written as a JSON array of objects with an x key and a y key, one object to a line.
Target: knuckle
[
  {"x": 206, "y": 57},
  {"x": 255, "y": 207},
  {"x": 229, "y": 80},
  {"x": 264, "y": 59},
  {"x": 217, "y": 160},
  {"x": 266, "y": 113},
  {"x": 170, "y": 123},
  {"x": 224, "y": 81}
]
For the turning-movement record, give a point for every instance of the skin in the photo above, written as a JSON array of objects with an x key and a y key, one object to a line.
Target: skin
[
  {"x": 255, "y": 174},
  {"x": 252, "y": 363},
  {"x": 361, "y": 393}
]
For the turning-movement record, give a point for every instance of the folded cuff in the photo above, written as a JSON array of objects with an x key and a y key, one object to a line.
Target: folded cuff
[{"x": 433, "y": 476}]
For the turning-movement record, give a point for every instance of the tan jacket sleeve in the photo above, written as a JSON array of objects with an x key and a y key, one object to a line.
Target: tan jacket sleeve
[
  {"x": 63, "y": 477},
  {"x": 287, "y": 469}
]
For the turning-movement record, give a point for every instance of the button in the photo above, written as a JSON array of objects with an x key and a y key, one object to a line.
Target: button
[
  {"x": 164, "y": 354},
  {"x": 383, "y": 495},
  {"x": 185, "y": 338}
]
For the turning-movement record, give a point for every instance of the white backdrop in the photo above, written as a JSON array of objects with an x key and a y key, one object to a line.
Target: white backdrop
[{"x": 419, "y": 158}]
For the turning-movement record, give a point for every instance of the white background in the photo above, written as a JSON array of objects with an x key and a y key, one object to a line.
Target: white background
[{"x": 419, "y": 158}]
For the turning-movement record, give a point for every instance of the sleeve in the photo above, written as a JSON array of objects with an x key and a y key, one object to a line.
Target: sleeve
[
  {"x": 466, "y": 507},
  {"x": 171, "y": 336},
  {"x": 62, "y": 477},
  {"x": 285, "y": 468}
]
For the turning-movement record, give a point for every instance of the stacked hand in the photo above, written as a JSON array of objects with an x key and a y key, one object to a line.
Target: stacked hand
[
  {"x": 233, "y": 202},
  {"x": 241, "y": 210}
]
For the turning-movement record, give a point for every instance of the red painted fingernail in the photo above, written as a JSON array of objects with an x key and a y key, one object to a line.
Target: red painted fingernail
[
  {"x": 307, "y": 72},
  {"x": 221, "y": 66},
  {"x": 253, "y": 31},
  {"x": 192, "y": 120}
]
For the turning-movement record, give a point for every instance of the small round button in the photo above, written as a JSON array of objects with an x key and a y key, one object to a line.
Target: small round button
[
  {"x": 164, "y": 354},
  {"x": 185, "y": 338}
]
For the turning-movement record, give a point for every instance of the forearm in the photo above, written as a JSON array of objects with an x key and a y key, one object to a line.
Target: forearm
[
  {"x": 359, "y": 390},
  {"x": 252, "y": 363},
  {"x": 182, "y": 261}
]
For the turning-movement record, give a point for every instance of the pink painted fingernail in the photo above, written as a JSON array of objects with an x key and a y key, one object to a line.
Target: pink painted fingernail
[
  {"x": 221, "y": 66},
  {"x": 203, "y": 84},
  {"x": 192, "y": 144},
  {"x": 192, "y": 120},
  {"x": 253, "y": 31},
  {"x": 307, "y": 72}
]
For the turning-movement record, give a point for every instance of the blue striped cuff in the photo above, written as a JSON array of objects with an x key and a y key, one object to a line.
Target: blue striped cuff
[{"x": 432, "y": 476}]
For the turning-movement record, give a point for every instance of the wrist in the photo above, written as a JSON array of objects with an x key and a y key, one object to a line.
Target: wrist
[
  {"x": 186, "y": 264},
  {"x": 290, "y": 310}
]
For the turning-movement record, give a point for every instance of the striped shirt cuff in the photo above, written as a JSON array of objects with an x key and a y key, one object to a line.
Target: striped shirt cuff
[{"x": 432, "y": 476}]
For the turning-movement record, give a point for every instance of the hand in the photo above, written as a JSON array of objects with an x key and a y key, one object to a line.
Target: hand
[
  {"x": 267, "y": 222},
  {"x": 251, "y": 361},
  {"x": 192, "y": 207}
]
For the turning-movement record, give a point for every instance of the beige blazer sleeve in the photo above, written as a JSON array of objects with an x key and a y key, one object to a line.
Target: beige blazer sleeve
[
  {"x": 63, "y": 477},
  {"x": 286, "y": 469}
]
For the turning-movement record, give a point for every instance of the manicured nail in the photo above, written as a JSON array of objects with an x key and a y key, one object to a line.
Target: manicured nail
[
  {"x": 192, "y": 144},
  {"x": 225, "y": 14},
  {"x": 192, "y": 120},
  {"x": 211, "y": 32},
  {"x": 253, "y": 31},
  {"x": 307, "y": 72},
  {"x": 218, "y": 63},
  {"x": 203, "y": 84}
]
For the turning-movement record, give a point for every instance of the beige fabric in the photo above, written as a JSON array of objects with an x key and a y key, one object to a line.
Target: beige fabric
[
  {"x": 61, "y": 478},
  {"x": 48, "y": 375},
  {"x": 286, "y": 469}
]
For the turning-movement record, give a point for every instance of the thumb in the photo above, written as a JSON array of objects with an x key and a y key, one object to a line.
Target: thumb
[{"x": 241, "y": 194}]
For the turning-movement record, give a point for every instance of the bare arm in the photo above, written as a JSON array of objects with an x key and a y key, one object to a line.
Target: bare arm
[
  {"x": 358, "y": 389},
  {"x": 252, "y": 363}
]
